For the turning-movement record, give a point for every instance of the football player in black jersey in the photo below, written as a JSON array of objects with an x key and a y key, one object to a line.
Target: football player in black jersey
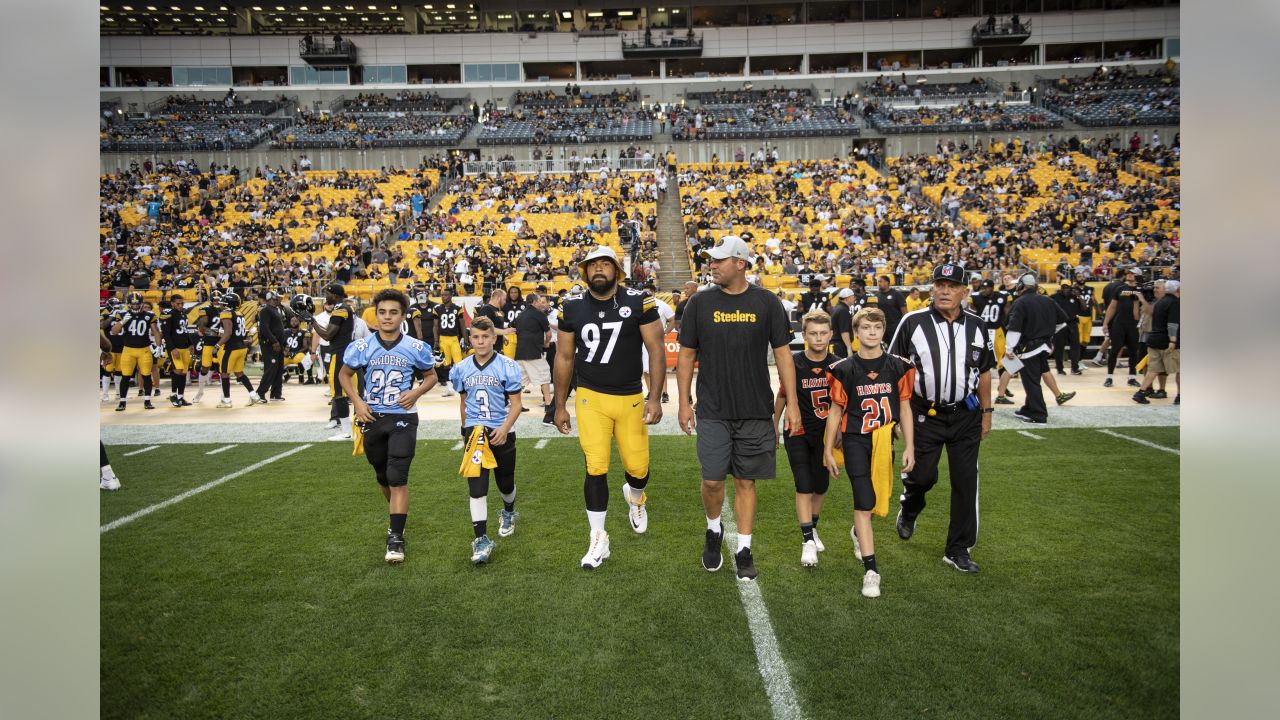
[
  {"x": 139, "y": 328},
  {"x": 448, "y": 332},
  {"x": 804, "y": 451},
  {"x": 515, "y": 305},
  {"x": 208, "y": 331},
  {"x": 234, "y": 347},
  {"x": 870, "y": 394},
  {"x": 338, "y": 332},
  {"x": 600, "y": 339},
  {"x": 110, "y": 373},
  {"x": 178, "y": 340}
]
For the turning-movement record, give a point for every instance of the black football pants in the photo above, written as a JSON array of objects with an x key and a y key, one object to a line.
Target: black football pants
[
  {"x": 1124, "y": 336},
  {"x": 272, "y": 372},
  {"x": 961, "y": 433},
  {"x": 1068, "y": 341},
  {"x": 1032, "y": 369}
]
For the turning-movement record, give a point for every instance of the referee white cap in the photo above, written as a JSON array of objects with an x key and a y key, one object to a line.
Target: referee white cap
[{"x": 729, "y": 246}]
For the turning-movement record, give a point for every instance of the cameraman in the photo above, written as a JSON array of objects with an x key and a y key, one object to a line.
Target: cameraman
[
  {"x": 1162, "y": 342},
  {"x": 1121, "y": 325}
]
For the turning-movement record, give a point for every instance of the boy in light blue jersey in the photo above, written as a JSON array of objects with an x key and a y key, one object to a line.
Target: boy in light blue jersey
[
  {"x": 489, "y": 384},
  {"x": 386, "y": 408}
]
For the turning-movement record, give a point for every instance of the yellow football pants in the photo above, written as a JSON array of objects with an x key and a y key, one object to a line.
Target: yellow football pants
[
  {"x": 603, "y": 418},
  {"x": 135, "y": 359},
  {"x": 181, "y": 359}
]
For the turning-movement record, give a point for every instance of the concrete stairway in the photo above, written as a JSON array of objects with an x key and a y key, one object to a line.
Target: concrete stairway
[{"x": 673, "y": 250}]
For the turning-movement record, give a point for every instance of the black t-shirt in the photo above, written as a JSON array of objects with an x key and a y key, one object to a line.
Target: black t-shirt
[
  {"x": 1126, "y": 298},
  {"x": 891, "y": 302},
  {"x": 531, "y": 327},
  {"x": 499, "y": 322},
  {"x": 841, "y": 322},
  {"x": 733, "y": 335},
  {"x": 812, "y": 391},
  {"x": 1167, "y": 311},
  {"x": 426, "y": 317},
  {"x": 449, "y": 324},
  {"x": 239, "y": 333},
  {"x": 813, "y": 300},
  {"x": 606, "y": 339},
  {"x": 1109, "y": 291}
]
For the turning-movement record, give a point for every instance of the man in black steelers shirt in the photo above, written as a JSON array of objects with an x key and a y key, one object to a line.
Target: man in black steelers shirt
[
  {"x": 804, "y": 451},
  {"x": 600, "y": 339},
  {"x": 729, "y": 331},
  {"x": 515, "y": 305},
  {"x": 1121, "y": 326},
  {"x": 139, "y": 328}
]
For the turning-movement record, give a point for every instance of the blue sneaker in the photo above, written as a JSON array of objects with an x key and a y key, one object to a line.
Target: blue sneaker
[
  {"x": 507, "y": 523},
  {"x": 481, "y": 549}
]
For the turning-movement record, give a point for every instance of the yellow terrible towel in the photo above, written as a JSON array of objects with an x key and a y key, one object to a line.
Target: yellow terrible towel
[
  {"x": 882, "y": 467},
  {"x": 477, "y": 454},
  {"x": 357, "y": 436}
]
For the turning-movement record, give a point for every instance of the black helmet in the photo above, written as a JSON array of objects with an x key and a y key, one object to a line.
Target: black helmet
[
  {"x": 134, "y": 298},
  {"x": 302, "y": 304},
  {"x": 231, "y": 300}
]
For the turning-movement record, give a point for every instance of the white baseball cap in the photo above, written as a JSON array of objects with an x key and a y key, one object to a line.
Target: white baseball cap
[
  {"x": 601, "y": 251},
  {"x": 729, "y": 246},
  {"x": 845, "y": 293}
]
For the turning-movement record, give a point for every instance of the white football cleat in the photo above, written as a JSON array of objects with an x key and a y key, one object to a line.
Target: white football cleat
[
  {"x": 809, "y": 554},
  {"x": 598, "y": 552},
  {"x": 636, "y": 513},
  {"x": 339, "y": 437},
  {"x": 817, "y": 541},
  {"x": 857, "y": 546},
  {"x": 871, "y": 584},
  {"x": 225, "y": 403},
  {"x": 109, "y": 483},
  {"x": 332, "y": 425}
]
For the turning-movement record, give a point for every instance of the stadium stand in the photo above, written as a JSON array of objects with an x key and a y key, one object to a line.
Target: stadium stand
[
  {"x": 967, "y": 117},
  {"x": 365, "y": 129},
  {"x": 177, "y": 132},
  {"x": 886, "y": 87},
  {"x": 575, "y": 97},
  {"x": 405, "y": 101},
  {"x": 1118, "y": 96},
  {"x": 535, "y": 127}
]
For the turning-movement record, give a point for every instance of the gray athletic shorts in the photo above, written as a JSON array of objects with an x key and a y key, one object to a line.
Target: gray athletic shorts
[{"x": 747, "y": 449}]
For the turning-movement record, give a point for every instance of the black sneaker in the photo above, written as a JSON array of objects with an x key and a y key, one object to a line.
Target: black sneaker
[
  {"x": 961, "y": 562},
  {"x": 549, "y": 420},
  {"x": 120, "y": 407},
  {"x": 276, "y": 399},
  {"x": 1008, "y": 393},
  {"x": 146, "y": 405},
  {"x": 746, "y": 565},
  {"x": 1028, "y": 419},
  {"x": 1064, "y": 397},
  {"x": 395, "y": 548},
  {"x": 173, "y": 400},
  {"x": 1133, "y": 382},
  {"x": 666, "y": 398},
  {"x": 1177, "y": 399},
  {"x": 1158, "y": 395},
  {"x": 712, "y": 558},
  {"x": 1002, "y": 400},
  {"x": 906, "y": 526},
  {"x": 1062, "y": 372},
  {"x": 183, "y": 402},
  {"x": 1077, "y": 371},
  {"x": 1108, "y": 382},
  {"x": 1140, "y": 398}
]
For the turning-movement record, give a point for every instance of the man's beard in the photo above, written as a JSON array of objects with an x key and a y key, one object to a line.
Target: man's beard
[{"x": 601, "y": 286}]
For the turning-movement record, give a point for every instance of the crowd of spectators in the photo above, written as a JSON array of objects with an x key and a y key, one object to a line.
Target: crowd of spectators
[
  {"x": 177, "y": 132},
  {"x": 969, "y": 116},
  {"x": 575, "y": 97},
  {"x": 887, "y": 87},
  {"x": 363, "y": 130},
  {"x": 404, "y": 101},
  {"x": 752, "y": 97},
  {"x": 229, "y": 104},
  {"x": 543, "y": 125}
]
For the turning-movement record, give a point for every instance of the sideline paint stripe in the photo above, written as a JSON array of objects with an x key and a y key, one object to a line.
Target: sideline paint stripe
[
  {"x": 196, "y": 491},
  {"x": 139, "y": 452},
  {"x": 1140, "y": 441},
  {"x": 773, "y": 669},
  {"x": 540, "y": 444},
  {"x": 457, "y": 446},
  {"x": 1030, "y": 434},
  {"x": 221, "y": 449}
]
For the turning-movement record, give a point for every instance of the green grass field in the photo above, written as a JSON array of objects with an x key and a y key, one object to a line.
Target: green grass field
[{"x": 267, "y": 597}]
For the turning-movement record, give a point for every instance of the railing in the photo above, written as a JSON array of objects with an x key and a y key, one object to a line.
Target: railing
[
  {"x": 991, "y": 28},
  {"x": 648, "y": 40},
  {"x": 558, "y": 165}
]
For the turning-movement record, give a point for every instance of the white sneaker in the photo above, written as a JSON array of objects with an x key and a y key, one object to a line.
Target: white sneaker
[
  {"x": 857, "y": 546},
  {"x": 109, "y": 483},
  {"x": 809, "y": 554},
  {"x": 225, "y": 403},
  {"x": 106, "y": 396},
  {"x": 636, "y": 513},
  {"x": 256, "y": 399},
  {"x": 598, "y": 552},
  {"x": 332, "y": 425},
  {"x": 339, "y": 437},
  {"x": 448, "y": 392},
  {"x": 199, "y": 394},
  {"x": 871, "y": 584},
  {"x": 817, "y": 541}
]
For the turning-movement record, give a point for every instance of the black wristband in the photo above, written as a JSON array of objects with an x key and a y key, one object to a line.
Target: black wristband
[{"x": 988, "y": 410}]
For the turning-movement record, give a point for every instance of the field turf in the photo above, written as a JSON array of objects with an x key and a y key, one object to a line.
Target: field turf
[{"x": 267, "y": 596}]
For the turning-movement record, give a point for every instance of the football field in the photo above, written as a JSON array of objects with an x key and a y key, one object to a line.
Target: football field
[{"x": 265, "y": 595}]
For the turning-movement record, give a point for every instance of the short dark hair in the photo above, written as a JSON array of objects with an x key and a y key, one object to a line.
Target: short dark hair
[
  {"x": 532, "y": 298},
  {"x": 483, "y": 324},
  {"x": 392, "y": 295}
]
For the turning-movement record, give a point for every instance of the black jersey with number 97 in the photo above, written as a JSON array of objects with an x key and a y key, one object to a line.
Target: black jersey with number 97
[{"x": 607, "y": 341}]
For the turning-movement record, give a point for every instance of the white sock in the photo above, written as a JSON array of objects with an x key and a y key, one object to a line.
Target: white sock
[
  {"x": 713, "y": 524},
  {"x": 508, "y": 498},
  {"x": 105, "y": 382},
  {"x": 744, "y": 541},
  {"x": 628, "y": 490},
  {"x": 596, "y": 519},
  {"x": 1110, "y": 376},
  {"x": 204, "y": 380},
  {"x": 345, "y": 424},
  {"x": 479, "y": 509}
]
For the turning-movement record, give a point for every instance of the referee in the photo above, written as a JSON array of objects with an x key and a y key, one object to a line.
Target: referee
[{"x": 953, "y": 358}]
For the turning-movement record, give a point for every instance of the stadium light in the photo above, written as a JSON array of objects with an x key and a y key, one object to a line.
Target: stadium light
[
  {"x": 303, "y": 8},
  {"x": 566, "y": 15},
  {"x": 625, "y": 13},
  {"x": 152, "y": 8},
  {"x": 257, "y": 9},
  {"x": 324, "y": 7},
  {"x": 103, "y": 8},
  {"x": 199, "y": 9}
]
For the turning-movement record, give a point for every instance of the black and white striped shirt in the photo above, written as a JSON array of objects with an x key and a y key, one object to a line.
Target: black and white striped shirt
[{"x": 949, "y": 356}]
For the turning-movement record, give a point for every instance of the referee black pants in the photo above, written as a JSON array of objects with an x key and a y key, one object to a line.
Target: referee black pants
[{"x": 960, "y": 433}]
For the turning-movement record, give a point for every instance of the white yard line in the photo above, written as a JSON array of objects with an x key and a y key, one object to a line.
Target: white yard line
[
  {"x": 1140, "y": 441},
  {"x": 773, "y": 669},
  {"x": 196, "y": 491},
  {"x": 540, "y": 444},
  {"x": 139, "y": 452},
  {"x": 221, "y": 449},
  {"x": 1030, "y": 434}
]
